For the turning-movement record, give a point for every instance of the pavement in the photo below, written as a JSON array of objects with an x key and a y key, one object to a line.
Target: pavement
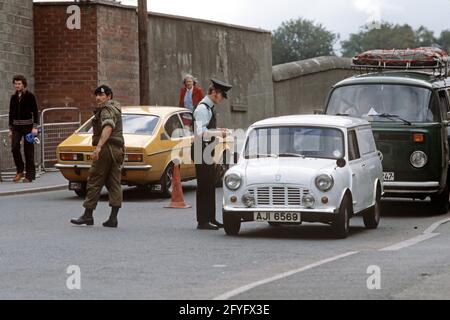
[{"x": 45, "y": 182}]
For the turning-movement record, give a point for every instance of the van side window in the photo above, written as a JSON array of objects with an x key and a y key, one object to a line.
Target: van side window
[
  {"x": 353, "y": 149},
  {"x": 443, "y": 103}
]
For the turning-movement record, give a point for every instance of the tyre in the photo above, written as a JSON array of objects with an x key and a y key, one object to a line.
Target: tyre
[
  {"x": 440, "y": 202},
  {"x": 373, "y": 215},
  {"x": 341, "y": 225},
  {"x": 166, "y": 182},
  {"x": 231, "y": 224}
]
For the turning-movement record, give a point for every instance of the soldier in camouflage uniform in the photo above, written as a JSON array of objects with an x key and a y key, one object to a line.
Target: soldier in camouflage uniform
[{"x": 107, "y": 158}]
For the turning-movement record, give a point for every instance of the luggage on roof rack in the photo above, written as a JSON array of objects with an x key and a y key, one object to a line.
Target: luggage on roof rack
[{"x": 420, "y": 58}]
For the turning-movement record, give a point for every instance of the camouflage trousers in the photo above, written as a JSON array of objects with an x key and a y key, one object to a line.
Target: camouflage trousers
[{"x": 106, "y": 171}]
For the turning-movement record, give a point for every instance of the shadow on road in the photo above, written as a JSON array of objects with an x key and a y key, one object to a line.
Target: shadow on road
[
  {"x": 407, "y": 209},
  {"x": 304, "y": 232}
]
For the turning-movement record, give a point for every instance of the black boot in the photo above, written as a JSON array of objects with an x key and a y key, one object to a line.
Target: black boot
[
  {"x": 86, "y": 219},
  {"x": 112, "y": 221}
]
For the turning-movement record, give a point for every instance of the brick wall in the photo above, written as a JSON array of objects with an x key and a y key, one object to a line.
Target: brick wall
[
  {"x": 16, "y": 47},
  {"x": 70, "y": 64},
  {"x": 66, "y": 60},
  {"x": 118, "y": 52}
]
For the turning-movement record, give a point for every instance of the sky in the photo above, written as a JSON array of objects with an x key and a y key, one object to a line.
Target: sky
[{"x": 340, "y": 16}]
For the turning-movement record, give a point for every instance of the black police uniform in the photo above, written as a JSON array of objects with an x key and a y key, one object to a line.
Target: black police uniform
[
  {"x": 206, "y": 193},
  {"x": 206, "y": 173}
]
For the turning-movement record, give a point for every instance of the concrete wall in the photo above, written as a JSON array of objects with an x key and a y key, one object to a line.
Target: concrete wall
[
  {"x": 118, "y": 55},
  {"x": 16, "y": 46},
  {"x": 241, "y": 56},
  {"x": 108, "y": 48},
  {"x": 302, "y": 87}
]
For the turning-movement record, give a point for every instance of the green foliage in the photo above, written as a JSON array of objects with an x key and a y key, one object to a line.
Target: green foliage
[
  {"x": 387, "y": 36},
  {"x": 444, "y": 40},
  {"x": 301, "y": 39}
]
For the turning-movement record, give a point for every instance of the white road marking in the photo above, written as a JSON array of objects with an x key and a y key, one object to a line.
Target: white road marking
[
  {"x": 436, "y": 225},
  {"x": 426, "y": 235},
  {"x": 251, "y": 286}
]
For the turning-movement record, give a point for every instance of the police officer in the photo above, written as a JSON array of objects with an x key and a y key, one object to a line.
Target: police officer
[
  {"x": 205, "y": 134},
  {"x": 107, "y": 158}
]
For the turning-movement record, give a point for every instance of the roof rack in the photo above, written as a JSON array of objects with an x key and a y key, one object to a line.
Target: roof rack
[{"x": 431, "y": 60}]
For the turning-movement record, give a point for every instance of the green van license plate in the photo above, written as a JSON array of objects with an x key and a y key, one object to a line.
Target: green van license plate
[{"x": 389, "y": 176}]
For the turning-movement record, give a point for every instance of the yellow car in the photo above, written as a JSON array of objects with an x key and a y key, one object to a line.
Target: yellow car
[{"x": 155, "y": 137}]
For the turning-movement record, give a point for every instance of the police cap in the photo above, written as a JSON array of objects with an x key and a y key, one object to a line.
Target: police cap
[{"x": 221, "y": 86}]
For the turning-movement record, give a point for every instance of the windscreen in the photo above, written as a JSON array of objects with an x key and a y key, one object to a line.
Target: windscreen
[
  {"x": 370, "y": 101},
  {"x": 308, "y": 142}
]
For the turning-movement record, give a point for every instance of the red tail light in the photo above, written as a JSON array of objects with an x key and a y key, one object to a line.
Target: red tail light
[
  {"x": 71, "y": 156},
  {"x": 134, "y": 158}
]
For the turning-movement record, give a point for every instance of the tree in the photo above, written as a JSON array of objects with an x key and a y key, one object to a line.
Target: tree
[
  {"x": 444, "y": 40},
  {"x": 301, "y": 39},
  {"x": 387, "y": 36}
]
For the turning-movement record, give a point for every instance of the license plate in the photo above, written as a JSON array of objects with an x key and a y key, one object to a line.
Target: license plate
[
  {"x": 157, "y": 188},
  {"x": 75, "y": 186},
  {"x": 286, "y": 217},
  {"x": 389, "y": 176}
]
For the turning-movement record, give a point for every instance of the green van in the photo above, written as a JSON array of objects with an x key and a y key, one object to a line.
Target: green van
[{"x": 409, "y": 113}]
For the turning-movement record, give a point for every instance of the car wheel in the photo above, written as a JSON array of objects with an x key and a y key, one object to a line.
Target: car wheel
[
  {"x": 166, "y": 182},
  {"x": 373, "y": 215},
  {"x": 82, "y": 193},
  {"x": 231, "y": 224},
  {"x": 341, "y": 223},
  {"x": 440, "y": 202}
]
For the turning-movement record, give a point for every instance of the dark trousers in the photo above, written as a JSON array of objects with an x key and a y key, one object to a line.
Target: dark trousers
[
  {"x": 106, "y": 171},
  {"x": 18, "y": 134},
  {"x": 206, "y": 193}
]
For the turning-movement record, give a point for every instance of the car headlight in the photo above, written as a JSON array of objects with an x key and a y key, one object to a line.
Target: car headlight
[
  {"x": 324, "y": 182},
  {"x": 233, "y": 181},
  {"x": 248, "y": 200},
  {"x": 308, "y": 201},
  {"x": 418, "y": 159}
]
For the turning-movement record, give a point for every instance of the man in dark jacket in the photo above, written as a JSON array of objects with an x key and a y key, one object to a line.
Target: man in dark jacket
[{"x": 23, "y": 119}]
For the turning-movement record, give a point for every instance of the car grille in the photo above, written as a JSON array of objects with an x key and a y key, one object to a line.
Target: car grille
[{"x": 278, "y": 196}]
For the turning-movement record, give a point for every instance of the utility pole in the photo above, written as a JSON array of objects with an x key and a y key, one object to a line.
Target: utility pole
[{"x": 144, "y": 65}]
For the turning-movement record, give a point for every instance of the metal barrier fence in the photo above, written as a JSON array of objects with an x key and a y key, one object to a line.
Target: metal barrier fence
[
  {"x": 54, "y": 133},
  {"x": 51, "y": 135}
]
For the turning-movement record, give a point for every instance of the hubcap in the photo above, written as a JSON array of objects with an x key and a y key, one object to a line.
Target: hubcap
[{"x": 169, "y": 178}]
